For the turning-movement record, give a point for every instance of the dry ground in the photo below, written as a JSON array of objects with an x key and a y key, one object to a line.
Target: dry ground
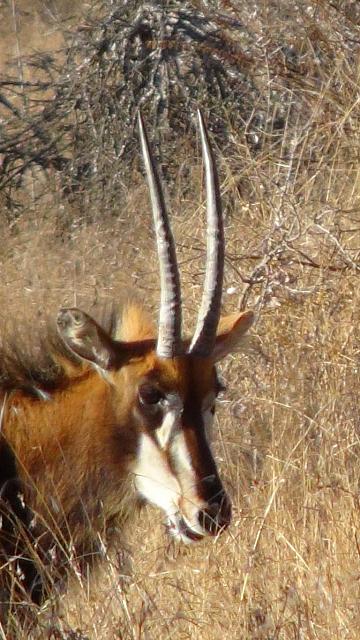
[{"x": 288, "y": 426}]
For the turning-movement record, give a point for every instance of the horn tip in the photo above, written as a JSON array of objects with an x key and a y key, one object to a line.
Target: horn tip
[
  {"x": 140, "y": 120},
  {"x": 200, "y": 117}
]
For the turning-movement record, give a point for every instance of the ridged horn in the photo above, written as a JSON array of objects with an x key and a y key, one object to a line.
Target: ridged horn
[
  {"x": 203, "y": 341},
  {"x": 169, "y": 335}
]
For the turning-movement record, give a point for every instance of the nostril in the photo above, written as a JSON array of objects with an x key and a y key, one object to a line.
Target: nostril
[
  {"x": 208, "y": 519},
  {"x": 215, "y": 517},
  {"x": 226, "y": 512}
]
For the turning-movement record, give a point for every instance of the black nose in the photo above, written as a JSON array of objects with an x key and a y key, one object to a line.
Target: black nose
[{"x": 216, "y": 516}]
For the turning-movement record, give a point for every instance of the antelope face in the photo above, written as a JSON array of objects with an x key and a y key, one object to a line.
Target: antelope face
[
  {"x": 169, "y": 405},
  {"x": 175, "y": 468},
  {"x": 169, "y": 386}
]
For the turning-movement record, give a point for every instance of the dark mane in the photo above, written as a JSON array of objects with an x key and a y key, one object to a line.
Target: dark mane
[{"x": 33, "y": 357}]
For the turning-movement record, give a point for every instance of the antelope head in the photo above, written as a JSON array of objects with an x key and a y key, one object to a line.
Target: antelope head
[{"x": 163, "y": 387}]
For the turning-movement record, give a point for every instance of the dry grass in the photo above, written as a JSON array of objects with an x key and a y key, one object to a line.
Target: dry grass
[{"x": 288, "y": 427}]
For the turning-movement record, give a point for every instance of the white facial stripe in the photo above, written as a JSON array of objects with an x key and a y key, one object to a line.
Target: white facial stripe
[
  {"x": 154, "y": 478},
  {"x": 191, "y": 503},
  {"x": 169, "y": 424},
  {"x": 171, "y": 421},
  {"x": 181, "y": 455}
]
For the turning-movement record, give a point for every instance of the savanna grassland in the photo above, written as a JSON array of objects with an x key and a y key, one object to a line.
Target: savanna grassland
[{"x": 288, "y": 426}]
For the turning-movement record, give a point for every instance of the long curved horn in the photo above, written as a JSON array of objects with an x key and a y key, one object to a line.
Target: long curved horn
[
  {"x": 169, "y": 336},
  {"x": 205, "y": 333}
]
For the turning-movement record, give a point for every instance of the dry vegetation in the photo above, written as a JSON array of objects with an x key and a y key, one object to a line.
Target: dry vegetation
[{"x": 288, "y": 426}]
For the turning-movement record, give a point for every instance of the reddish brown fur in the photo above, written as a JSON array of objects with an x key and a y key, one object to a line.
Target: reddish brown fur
[
  {"x": 72, "y": 452},
  {"x": 72, "y": 473}
]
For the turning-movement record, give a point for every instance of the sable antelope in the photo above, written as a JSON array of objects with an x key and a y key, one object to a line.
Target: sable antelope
[{"x": 126, "y": 407}]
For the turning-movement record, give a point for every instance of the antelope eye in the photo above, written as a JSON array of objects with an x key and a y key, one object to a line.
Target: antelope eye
[{"x": 148, "y": 394}]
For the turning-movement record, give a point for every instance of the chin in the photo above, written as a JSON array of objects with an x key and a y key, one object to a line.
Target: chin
[{"x": 182, "y": 531}]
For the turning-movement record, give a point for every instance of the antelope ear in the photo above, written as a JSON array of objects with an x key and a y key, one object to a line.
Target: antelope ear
[
  {"x": 84, "y": 337},
  {"x": 230, "y": 332}
]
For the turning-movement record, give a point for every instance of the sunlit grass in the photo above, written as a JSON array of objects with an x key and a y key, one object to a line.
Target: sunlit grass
[{"x": 287, "y": 437}]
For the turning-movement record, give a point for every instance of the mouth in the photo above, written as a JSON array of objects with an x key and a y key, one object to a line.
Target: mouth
[{"x": 180, "y": 530}]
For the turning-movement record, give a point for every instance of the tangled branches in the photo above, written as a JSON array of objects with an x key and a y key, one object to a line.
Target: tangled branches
[{"x": 165, "y": 57}]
